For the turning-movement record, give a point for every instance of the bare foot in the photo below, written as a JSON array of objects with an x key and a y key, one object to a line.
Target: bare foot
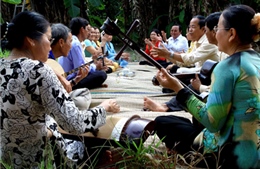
[
  {"x": 104, "y": 85},
  {"x": 171, "y": 152},
  {"x": 111, "y": 105},
  {"x": 154, "y": 106},
  {"x": 110, "y": 157}
]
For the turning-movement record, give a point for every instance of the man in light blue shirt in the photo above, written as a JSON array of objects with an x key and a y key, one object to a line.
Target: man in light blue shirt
[
  {"x": 74, "y": 58},
  {"x": 80, "y": 29}
]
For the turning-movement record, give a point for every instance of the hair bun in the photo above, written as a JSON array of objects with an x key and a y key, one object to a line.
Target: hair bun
[{"x": 255, "y": 22}]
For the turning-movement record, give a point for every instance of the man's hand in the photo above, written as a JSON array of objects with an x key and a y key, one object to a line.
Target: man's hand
[
  {"x": 108, "y": 62},
  {"x": 82, "y": 73},
  {"x": 169, "y": 67},
  {"x": 160, "y": 51}
]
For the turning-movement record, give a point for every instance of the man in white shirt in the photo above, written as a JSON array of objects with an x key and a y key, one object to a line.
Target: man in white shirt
[{"x": 176, "y": 43}]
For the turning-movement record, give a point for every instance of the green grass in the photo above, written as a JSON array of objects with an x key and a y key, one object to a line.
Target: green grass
[
  {"x": 135, "y": 155},
  {"x": 4, "y": 54}
]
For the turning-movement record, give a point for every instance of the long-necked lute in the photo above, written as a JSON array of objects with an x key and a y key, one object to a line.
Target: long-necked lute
[
  {"x": 57, "y": 67},
  {"x": 112, "y": 29}
]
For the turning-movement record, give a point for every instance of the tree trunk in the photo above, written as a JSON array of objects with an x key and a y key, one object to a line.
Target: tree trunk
[
  {"x": 7, "y": 11},
  {"x": 162, "y": 14},
  {"x": 54, "y": 11}
]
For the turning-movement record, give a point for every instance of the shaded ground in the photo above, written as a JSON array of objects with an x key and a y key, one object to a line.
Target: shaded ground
[{"x": 130, "y": 91}]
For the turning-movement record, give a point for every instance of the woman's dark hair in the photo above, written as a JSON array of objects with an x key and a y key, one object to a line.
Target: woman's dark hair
[
  {"x": 76, "y": 23},
  {"x": 157, "y": 32},
  {"x": 25, "y": 24},
  {"x": 59, "y": 31},
  {"x": 239, "y": 17},
  {"x": 212, "y": 20}
]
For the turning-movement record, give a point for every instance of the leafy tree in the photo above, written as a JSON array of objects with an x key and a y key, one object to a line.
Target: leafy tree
[{"x": 161, "y": 14}]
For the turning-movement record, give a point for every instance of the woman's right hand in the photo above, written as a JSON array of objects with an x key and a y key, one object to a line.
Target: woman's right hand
[
  {"x": 111, "y": 105},
  {"x": 164, "y": 36},
  {"x": 168, "y": 81},
  {"x": 148, "y": 42},
  {"x": 196, "y": 83},
  {"x": 65, "y": 83}
]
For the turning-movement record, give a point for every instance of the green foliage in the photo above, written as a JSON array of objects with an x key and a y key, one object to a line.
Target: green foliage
[
  {"x": 4, "y": 54},
  {"x": 96, "y": 13},
  {"x": 236, "y": 1},
  {"x": 73, "y": 7},
  {"x": 13, "y": 1},
  {"x": 182, "y": 16},
  {"x": 6, "y": 166},
  {"x": 95, "y": 3},
  {"x": 154, "y": 23},
  {"x": 132, "y": 155},
  {"x": 136, "y": 154}
]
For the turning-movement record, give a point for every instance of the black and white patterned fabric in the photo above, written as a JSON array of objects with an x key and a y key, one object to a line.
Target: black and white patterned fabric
[{"x": 29, "y": 91}]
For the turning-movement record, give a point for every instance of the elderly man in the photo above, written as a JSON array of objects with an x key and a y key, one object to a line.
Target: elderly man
[
  {"x": 80, "y": 29},
  {"x": 202, "y": 51},
  {"x": 176, "y": 43}
]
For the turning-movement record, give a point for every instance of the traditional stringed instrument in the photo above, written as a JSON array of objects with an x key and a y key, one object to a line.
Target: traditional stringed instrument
[
  {"x": 204, "y": 74},
  {"x": 57, "y": 67},
  {"x": 112, "y": 29},
  {"x": 117, "y": 130}
]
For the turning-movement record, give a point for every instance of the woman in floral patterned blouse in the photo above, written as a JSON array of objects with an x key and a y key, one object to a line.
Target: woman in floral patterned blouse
[{"x": 30, "y": 90}]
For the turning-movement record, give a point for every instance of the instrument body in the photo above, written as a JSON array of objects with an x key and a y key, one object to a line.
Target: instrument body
[
  {"x": 117, "y": 129},
  {"x": 57, "y": 67}
]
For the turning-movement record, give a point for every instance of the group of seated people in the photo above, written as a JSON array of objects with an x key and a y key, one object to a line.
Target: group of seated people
[
  {"x": 93, "y": 47},
  {"x": 37, "y": 99},
  {"x": 225, "y": 131},
  {"x": 205, "y": 49}
]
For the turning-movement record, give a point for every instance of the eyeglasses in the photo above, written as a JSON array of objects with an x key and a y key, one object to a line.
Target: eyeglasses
[
  {"x": 216, "y": 28},
  {"x": 50, "y": 39}
]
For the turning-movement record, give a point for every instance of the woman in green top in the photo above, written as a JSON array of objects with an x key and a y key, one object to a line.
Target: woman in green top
[{"x": 232, "y": 111}]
